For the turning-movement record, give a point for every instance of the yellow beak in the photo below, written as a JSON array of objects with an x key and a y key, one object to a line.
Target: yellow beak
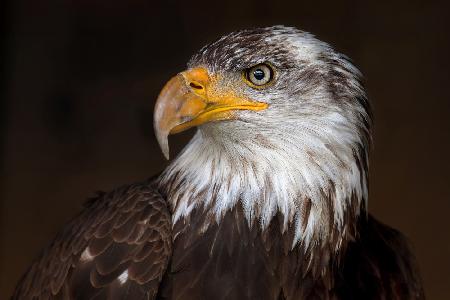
[{"x": 190, "y": 99}]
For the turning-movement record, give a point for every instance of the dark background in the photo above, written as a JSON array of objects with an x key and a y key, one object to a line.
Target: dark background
[{"x": 80, "y": 78}]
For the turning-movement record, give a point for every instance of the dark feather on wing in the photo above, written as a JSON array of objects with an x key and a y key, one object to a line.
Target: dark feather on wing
[{"x": 117, "y": 248}]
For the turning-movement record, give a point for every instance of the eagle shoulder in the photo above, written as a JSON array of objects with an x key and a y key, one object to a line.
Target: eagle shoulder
[
  {"x": 379, "y": 264},
  {"x": 118, "y": 247}
]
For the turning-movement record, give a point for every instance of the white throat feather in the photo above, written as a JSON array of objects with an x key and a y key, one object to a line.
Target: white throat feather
[{"x": 299, "y": 172}]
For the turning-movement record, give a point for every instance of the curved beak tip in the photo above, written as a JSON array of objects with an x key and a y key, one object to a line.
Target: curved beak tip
[
  {"x": 165, "y": 150},
  {"x": 163, "y": 142}
]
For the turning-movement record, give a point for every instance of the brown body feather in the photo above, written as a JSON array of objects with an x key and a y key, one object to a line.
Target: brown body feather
[
  {"x": 130, "y": 229},
  {"x": 127, "y": 229}
]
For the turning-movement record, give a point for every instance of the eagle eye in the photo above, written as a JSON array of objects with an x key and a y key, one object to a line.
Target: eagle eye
[{"x": 259, "y": 75}]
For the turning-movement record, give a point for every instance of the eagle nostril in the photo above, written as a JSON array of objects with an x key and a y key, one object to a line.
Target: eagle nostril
[{"x": 196, "y": 86}]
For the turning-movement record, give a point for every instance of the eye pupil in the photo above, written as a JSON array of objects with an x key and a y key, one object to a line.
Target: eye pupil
[{"x": 259, "y": 74}]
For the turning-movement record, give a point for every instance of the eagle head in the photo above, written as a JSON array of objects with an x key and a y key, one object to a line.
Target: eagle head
[{"x": 283, "y": 127}]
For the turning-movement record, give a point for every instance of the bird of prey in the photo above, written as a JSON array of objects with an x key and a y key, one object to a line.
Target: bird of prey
[{"x": 267, "y": 201}]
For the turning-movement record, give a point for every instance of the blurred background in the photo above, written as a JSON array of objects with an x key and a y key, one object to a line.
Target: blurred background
[{"x": 79, "y": 80}]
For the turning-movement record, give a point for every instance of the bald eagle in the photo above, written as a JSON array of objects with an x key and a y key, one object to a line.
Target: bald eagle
[{"x": 267, "y": 201}]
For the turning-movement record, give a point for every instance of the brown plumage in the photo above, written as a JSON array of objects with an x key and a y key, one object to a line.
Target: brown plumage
[
  {"x": 267, "y": 201},
  {"x": 128, "y": 229}
]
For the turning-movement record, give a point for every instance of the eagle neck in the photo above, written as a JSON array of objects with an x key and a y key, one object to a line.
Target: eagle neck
[{"x": 215, "y": 172}]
